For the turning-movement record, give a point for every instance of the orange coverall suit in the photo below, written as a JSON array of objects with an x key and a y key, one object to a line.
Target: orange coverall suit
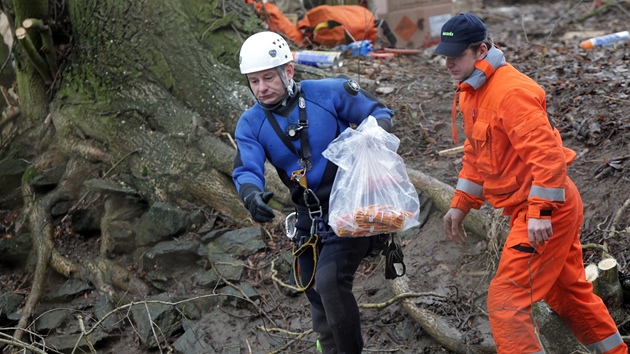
[{"x": 515, "y": 160}]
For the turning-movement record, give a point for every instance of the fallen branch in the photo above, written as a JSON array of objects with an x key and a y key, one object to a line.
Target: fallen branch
[
  {"x": 555, "y": 335},
  {"x": 441, "y": 193},
  {"x": 451, "y": 151},
  {"x": 397, "y": 298},
  {"x": 18, "y": 343},
  {"x": 435, "y": 325},
  {"x": 618, "y": 215},
  {"x": 298, "y": 337}
]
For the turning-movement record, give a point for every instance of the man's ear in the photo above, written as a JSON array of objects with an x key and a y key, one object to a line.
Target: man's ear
[
  {"x": 290, "y": 71},
  {"x": 482, "y": 51}
]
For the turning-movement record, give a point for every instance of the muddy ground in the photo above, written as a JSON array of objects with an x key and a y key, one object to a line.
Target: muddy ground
[{"x": 589, "y": 102}]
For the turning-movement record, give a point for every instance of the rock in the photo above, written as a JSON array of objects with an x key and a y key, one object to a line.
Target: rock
[
  {"x": 170, "y": 255},
  {"x": 103, "y": 308},
  {"x": 117, "y": 224},
  {"x": 15, "y": 250},
  {"x": 51, "y": 319},
  {"x": 11, "y": 171},
  {"x": 70, "y": 343},
  {"x": 193, "y": 341},
  {"x": 67, "y": 291},
  {"x": 227, "y": 266},
  {"x": 235, "y": 298},
  {"x": 239, "y": 242},
  {"x": 161, "y": 222},
  {"x": 9, "y": 303},
  {"x": 156, "y": 317}
]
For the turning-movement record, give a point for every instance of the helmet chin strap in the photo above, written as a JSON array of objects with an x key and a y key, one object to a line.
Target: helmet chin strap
[{"x": 287, "y": 83}]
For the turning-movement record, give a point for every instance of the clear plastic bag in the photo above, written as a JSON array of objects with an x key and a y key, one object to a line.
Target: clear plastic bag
[{"x": 372, "y": 193}]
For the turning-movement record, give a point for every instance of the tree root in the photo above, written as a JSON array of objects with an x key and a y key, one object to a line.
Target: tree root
[
  {"x": 104, "y": 274},
  {"x": 42, "y": 240}
]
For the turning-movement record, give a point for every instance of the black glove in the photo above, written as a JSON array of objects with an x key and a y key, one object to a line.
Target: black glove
[{"x": 256, "y": 203}]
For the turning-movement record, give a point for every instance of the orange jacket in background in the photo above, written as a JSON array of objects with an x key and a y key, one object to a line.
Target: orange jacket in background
[
  {"x": 333, "y": 25},
  {"x": 277, "y": 21}
]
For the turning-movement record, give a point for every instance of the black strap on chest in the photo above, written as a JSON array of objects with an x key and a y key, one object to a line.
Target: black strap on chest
[{"x": 305, "y": 153}]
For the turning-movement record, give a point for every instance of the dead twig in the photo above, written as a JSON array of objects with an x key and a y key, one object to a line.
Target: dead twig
[
  {"x": 397, "y": 298},
  {"x": 298, "y": 337}
]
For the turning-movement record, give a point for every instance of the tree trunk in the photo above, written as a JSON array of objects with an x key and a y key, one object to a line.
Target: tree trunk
[
  {"x": 142, "y": 97},
  {"x": 149, "y": 88}
]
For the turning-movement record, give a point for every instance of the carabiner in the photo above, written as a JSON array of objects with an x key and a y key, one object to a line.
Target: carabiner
[{"x": 312, "y": 214}]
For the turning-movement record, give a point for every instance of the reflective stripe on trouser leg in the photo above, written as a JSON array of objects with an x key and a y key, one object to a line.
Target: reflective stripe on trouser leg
[
  {"x": 611, "y": 345},
  {"x": 555, "y": 272},
  {"x": 572, "y": 297}
]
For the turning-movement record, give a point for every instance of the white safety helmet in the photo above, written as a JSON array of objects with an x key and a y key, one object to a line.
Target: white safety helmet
[{"x": 262, "y": 51}]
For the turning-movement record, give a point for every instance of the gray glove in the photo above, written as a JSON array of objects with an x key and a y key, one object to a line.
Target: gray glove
[{"x": 256, "y": 203}]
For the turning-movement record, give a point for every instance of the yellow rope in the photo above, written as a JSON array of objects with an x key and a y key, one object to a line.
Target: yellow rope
[{"x": 312, "y": 242}]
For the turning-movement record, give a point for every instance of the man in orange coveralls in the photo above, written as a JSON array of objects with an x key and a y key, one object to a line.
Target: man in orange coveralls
[{"x": 514, "y": 159}]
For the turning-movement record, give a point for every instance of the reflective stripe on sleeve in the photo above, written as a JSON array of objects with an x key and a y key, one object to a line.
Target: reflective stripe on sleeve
[
  {"x": 553, "y": 194},
  {"x": 607, "y": 344},
  {"x": 469, "y": 187}
]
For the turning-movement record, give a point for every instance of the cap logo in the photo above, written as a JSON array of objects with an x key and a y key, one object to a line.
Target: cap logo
[
  {"x": 448, "y": 34},
  {"x": 273, "y": 53}
]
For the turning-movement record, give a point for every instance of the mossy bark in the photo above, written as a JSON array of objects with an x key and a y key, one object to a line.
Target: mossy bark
[{"x": 149, "y": 84}]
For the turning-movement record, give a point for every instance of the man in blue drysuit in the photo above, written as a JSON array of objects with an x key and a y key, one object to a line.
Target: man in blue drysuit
[{"x": 290, "y": 126}]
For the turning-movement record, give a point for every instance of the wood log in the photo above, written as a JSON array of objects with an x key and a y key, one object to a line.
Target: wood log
[
  {"x": 477, "y": 221},
  {"x": 555, "y": 336},
  {"x": 611, "y": 291},
  {"x": 592, "y": 276},
  {"x": 437, "y": 326}
]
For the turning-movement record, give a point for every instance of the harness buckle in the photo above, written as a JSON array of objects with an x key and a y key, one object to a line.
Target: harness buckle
[{"x": 314, "y": 210}]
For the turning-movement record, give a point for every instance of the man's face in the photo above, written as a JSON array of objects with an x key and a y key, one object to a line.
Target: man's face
[
  {"x": 267, "y": 85},
  {"x": 461, "y": 66}
]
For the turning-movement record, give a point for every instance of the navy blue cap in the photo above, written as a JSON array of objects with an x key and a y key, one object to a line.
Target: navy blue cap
[{"x": 459, "y": 32}]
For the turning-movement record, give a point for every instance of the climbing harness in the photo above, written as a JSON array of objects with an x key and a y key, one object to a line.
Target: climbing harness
[
  {"x": 292, "y": 133},
  {"x": 319, "y": 232}
]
